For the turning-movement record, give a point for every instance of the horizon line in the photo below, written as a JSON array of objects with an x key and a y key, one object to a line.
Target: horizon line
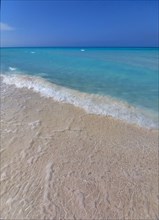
[{"x": 79, "y": 46}]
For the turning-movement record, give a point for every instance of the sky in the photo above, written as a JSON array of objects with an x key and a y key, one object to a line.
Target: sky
[{"x": 76, "y": 23}]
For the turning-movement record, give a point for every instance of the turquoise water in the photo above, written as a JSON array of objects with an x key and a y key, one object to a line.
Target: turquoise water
[{"x": 125, "y": 74}]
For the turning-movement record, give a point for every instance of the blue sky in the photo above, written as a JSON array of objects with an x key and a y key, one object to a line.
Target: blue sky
[{"x": 79, "y": 23}]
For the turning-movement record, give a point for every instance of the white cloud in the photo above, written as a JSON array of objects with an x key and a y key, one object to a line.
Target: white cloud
[{"x": 5, "y": 27}]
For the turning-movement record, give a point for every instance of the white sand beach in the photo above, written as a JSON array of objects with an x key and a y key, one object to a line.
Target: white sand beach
[{"x": 59, "y": 162}]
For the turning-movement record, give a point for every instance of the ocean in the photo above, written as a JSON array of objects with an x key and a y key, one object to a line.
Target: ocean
[{"x": 117, "y": 82}]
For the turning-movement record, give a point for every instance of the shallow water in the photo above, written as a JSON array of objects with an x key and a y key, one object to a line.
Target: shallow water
[{"x": 126, "y": 75}]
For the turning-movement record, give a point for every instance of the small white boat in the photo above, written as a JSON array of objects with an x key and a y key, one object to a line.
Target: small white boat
[
  {"x": 82, "y": 50},
  {"x": 12, "y": 68}
]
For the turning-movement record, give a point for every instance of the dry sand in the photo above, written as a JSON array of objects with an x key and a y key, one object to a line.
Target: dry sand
[{"x": 58, "y": 162}]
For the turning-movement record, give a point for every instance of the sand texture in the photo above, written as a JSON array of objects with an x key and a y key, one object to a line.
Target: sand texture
[{"x": 58, "y": 162}]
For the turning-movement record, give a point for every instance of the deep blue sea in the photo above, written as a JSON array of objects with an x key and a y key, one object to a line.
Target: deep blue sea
[{"x": 120, "y": 82}]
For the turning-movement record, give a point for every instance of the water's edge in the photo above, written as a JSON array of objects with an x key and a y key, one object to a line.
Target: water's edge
[{"x": 91, "y": 103}]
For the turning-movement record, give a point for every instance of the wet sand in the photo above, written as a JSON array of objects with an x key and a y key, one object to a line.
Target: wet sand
[{"x": 58, "y": 162}]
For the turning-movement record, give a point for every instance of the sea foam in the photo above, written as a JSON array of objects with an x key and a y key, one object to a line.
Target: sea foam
[{"x": 91, "y": 103}]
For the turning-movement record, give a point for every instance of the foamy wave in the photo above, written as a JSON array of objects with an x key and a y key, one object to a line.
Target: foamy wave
[{"x": 103, "y": 105}]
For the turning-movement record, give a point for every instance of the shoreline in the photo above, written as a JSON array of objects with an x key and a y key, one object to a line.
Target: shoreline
[
  {"x": 91, "y": 103},
  {"x": 60, "y": 162}
]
